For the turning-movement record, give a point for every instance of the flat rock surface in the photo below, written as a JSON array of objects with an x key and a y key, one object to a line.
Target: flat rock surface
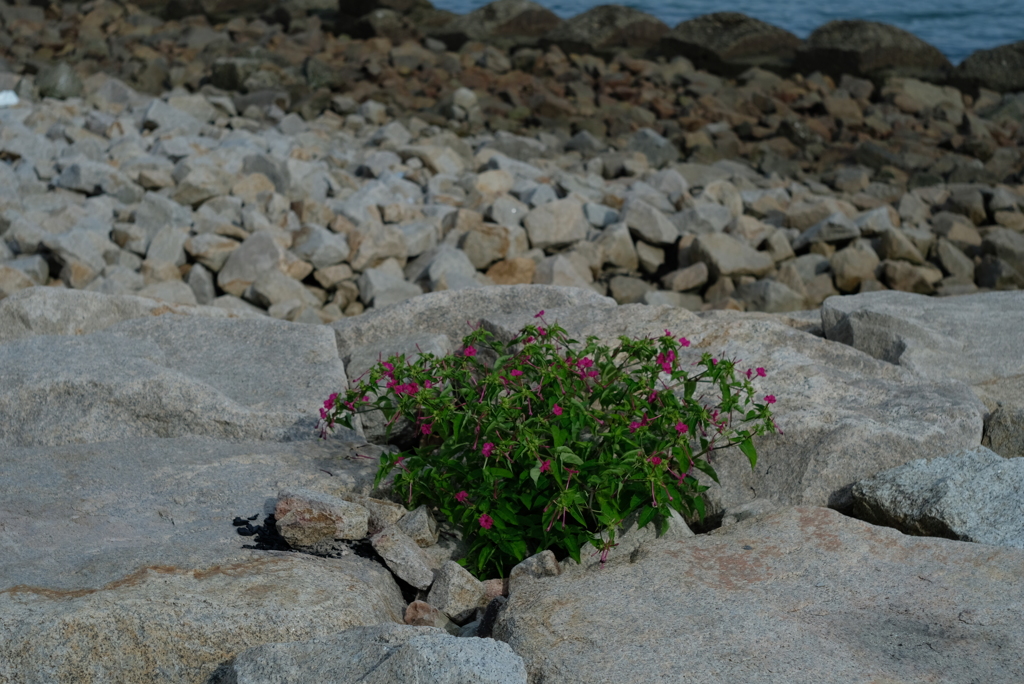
[
  {"x": 166, "y": 377},
  {"x": 843, "y": 602},
  {"x": 844, "y": 415},
  {"x": 978, "y": 339},
  {"x": 972, "y": 495},
  {"x": 128, "y": 547}
]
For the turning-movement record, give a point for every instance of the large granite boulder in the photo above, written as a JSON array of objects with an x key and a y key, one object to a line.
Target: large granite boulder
[
  {"x": 801, "y": 595},
  {"x": 167, "y": 376},
  {"x": 1000, "y": 69},
  {"x": 454, "y": 313},
  {"x": 607, "y": 29},
  {"x": 869, "y": 49},
  {"x": 120, "y": 560},
  {"x": 59, "y": 311},
  {"x": 729, "y": 43},
  {"x": 843, "y": 415},
  {"x": 976, "y": 339},
  {"x": 972, "y": 495},
  {"x": 504, "y": 23},
  {"x": 381, "y": 655}
]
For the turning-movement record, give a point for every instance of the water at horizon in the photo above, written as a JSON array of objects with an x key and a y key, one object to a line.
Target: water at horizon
[{"x": 957, "y": 27}]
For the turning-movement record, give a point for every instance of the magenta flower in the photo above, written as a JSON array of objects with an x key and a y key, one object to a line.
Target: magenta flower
[
  {"x": 539, "y": 314},
  {"x": 516, "y": 373},
  {"x": 428, "y": 384},
  {"x": 530, "y": 339},
  {"x": 470, "y": 351},
  {"x": 683, "y": 341},
  {"x": 462, "y": 496},
  {"x": 426, "y": 428},
  {"x": 542, "y": 332},
  {"x": 486, "y": 521},
  {"x": 323, "y": 414},
  {"x": 681, "y": 428},
  {"x": 545, "y": 466},
  {"x": 655, "y": 460},
  {"x": 634, "y": 426},
  {"x": 761, "y": 372},
  {"x": 651, "y": 397},
  {"x": 668, "y": 333},
  {"x": 592, "y": 373},
  {"x": 585, "y": 362},
  {"x": 488, "y": 449},
  {"x": 329, "y": 403},
  {"x": 557, "y": 410},
  {"x": 770, "y": 398}
]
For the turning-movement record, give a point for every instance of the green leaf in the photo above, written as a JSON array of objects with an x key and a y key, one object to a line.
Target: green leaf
[
  {"x": 706, "y": 468},
  {"x": 645, "y": 516},
  {"x": 747, "y": 447},
  {"x": 535, "y": 473},
  {"x": 498, "y": 472},
  {"x": 567, "y": 456}
]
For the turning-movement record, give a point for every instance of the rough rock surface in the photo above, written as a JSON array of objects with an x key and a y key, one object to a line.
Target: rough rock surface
[
  {"x": 378, "y": 655},
  {"x": 972, "y": 495},
  {"x": 843, "y": 600}
]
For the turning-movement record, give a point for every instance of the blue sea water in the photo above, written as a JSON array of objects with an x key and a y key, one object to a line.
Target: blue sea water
[{"x": 956, "y": 27}]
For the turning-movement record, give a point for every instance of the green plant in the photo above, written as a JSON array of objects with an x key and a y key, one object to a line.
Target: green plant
[{"x": 551, "y": 442}]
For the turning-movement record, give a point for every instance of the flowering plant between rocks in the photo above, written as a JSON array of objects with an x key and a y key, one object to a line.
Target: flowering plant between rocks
[{"x": 552, "y": 444}]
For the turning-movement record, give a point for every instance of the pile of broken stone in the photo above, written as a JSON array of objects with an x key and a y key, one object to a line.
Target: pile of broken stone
[{"x": 660, "y": 182}]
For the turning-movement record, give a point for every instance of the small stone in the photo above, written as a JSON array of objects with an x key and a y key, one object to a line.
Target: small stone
[
  {"x": 689, "y": 278},
  {"x": 517, "y": 271},
  {"x": 420, "y": 525},
  {"x": 535, "y": 567},
  {"x": 456, "y": 592},
  {"x": 404, "y": 557},
  {"x": 556, "y": 224},
  {"x": 422, "y": 614},
  {"x": 305, "y": 517}
]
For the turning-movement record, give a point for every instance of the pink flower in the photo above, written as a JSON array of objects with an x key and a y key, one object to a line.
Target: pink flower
[
  {"x": 761, "y": 372},
  {"x": 539, "y": 314},
  {"x": 749, "y": 373},
  {"x": 668, "y": 333},
  {"x": 516, "y": 373},
  {"x": 428, "y": 384},
  {"x": 530, "y": 339},
  {"x": 545, "y": 466},
  {"x": 714, "y": 362},
  {"x": 666, "y": 361},
  {"x": 592, "y": 373},
  {"x": 770, "y": 398},
  {"x": 651, "y": 397},
  {"x": 681, "y": 428},
  {"x": 655, "y": 460},
  {"x": 585, "y": 362},
  {"x": 323, "y": 414},
  {"x": 683, "y": 341},
  {"x": 426, "y": 428},
  {"x": 557, "y": 410},
  {"x": 388, "y": 366},
  {"x": 486, "y": 521},
  {"x": 470, "y": 351},
  {"x": 542, "y": 332},
  {"x": 488, "y": 449},
  {"x": 634, "y": 426},
  {"x": 366, "y": 397},
  {"x": 462, "y": 496}
]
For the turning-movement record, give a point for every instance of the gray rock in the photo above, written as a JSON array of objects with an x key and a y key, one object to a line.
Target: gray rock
[
  {"x": 171, "y": 291},
  {"x": 972, "y": 495},
  {"x": 403, "y": 557},
  {"x": 167, "y": 119},
  {"x": 140, "y": 556},
  {"x": 690, "y": 302},
  {"x": 304, "y": 518},
  {"x": 725, "y": 256},
  {"x": 1003, "y": 433},
  {"x": 770, "y": 296},
  {"x": 835, "y": 404},
  {"x": 606, "y": 30},
  {"x": 854, "y": 264},
  {"x": 211, "y": 250},
  {"x": 658, "y": 149},
  {"x": 628, "y": 289},
  {"x": 380, "y": 654},
  {"x": 454, "y": 314},
  {"x": 380, "y": 288},
  {"x": 319, "y": 246},
  {"x": 702, "y": 219},
  {"x": 559, "y": 270},
  {"x": 81, "y": 255},
  {"x": 507, "y": 211},
  {"x": 1007, "y": 245},
  {"x": 649, "y": 224},
  {"x": 935, "y": 337},
  {"x": 746, "y": 580},
  {"x": 618, "y": 248},
  {"x": 59, "y": 82},
  {"x": 166, "y": 376},
  {"x": 258, "y": 254},
  {"x": 456, "y": 592},
  {"x": 168, "y": 246},
  {"x": 273, "y": 287},
  {"x": 420, "y": 526},
  {"x": 202, "y": 284},
  {"x": 556, "y": 224},
  {"x": 12, "y": 280},
  {"x": 730, "y": 43},
  {"x": 835, "y": 228},
  {"x": 954, "y": 261},
  {"x": 896, "y": 245},
  {"x": 93, "y": 178},
  {"x": 998, "y": 69},
  {"x": 377, "y": 243}
]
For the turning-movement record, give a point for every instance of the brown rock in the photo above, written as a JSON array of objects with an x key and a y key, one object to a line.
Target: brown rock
[{"x": 517, "y": 271}]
